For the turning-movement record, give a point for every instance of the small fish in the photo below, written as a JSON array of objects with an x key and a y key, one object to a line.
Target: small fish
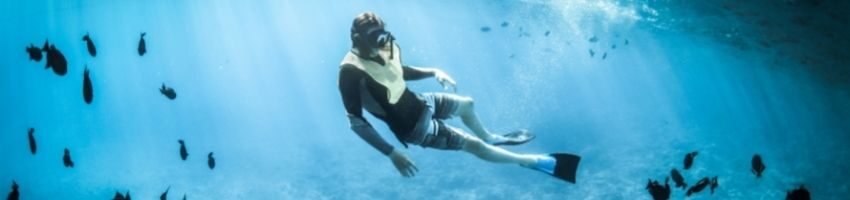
[
  {"x": 210, "y": 160},
  {"x": 504, "y": 24},
  {"x": 657, "y": 191},
  {"x": 591, "y": 52},
  {"x": 485, "y": 29},
  {"x": 88, "y": 92},
  {"x": 678, "y": 179},
  {"x": 90, "y": 45},
  {"x": 164, "y": 195},
  {"x": 613, "y": 46},
  {"x": 627, "y": 42},
  {"x": 183, "y": 152},
  {"x": 168, "y": 92},
  {"x": 547, "y": 33},
  {"x": 14, "y": 195},
  {"x": 55, "y": 59},
  {"x": 119, "y": 196},
  {"x": 689, "y": 159},
  {"x": 604, "y": 55},
  {"x": 66, "y": 159},
  {"x": 699, "y": 186},
  {"x": 184, "y": 196},
  {"x": 34, "y": 52},
  {"x": 593, "y": 39},
  {"x": 714, "y": 184},
  {"x": 142, "y": 47},
  {"x": 800, "y": 193},
  {"x": 31, "y": 136},
  {"x": 758, "y": 166}
]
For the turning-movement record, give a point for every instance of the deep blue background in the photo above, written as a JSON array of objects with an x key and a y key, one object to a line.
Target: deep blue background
[{"x": 256, "y": 84}]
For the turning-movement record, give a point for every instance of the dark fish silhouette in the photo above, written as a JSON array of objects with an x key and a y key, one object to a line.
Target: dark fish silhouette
[
  {"x": 485, "y": 29},
  {"x": 164, "y": 195},
  {"x": 591, "y": 52},
  {"x": 35, "y": 53},
  {"x": 613, "y": 46},
  {"x": 699, "y": 186},
  {"x": 142, "y": 47},
  {"x": 88, "y": 92},
  {"x": 504, "y": 24},
  {"x": 184, "y": 196},
  {"x": 627, "y": 42},
  {"x": 55, "y": 59},
  {"x": 758, "y": 166},
  {"x": 67, "y": 159},
  {"x": 604, "y": 55},
  {"x": 211, "y": 160},
  {"x": 14, "y": 195},
  {"x": 689, "y": 159},
  {"x": 127, "y": 196},
  {"x": 593, "y": 39},
  {"x": 90, "y": 45},
  {"x": 168, "y": 92},
  {"x": 800, "y": 193},
  {"x": 547, "y": 33},
  {"x": 657, "y": 191},
  {"x": 33, "y": 147},
  {"x": 183, "y": 153},
  {"x": 714, "y": 184},
  {"x": 678, "y": 179},
  {"x": 119, "y": 196}
]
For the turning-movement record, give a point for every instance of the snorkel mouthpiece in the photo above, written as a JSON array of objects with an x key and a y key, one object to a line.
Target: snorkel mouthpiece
[{"x": 383, "y": 39}]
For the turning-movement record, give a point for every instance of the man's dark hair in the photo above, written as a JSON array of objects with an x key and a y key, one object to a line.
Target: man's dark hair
[{"x": 361, "y": 24}]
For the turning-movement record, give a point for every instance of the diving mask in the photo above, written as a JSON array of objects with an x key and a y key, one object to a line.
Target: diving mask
[{"x": 378, "y": 38}]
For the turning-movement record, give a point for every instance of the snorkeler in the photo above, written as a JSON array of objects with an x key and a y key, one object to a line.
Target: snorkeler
[{"x": 372, "y": 76}]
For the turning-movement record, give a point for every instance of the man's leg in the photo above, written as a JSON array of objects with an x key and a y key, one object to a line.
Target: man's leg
[
  {"x": 496, "y": 154},
  {"x": 445, "y": 137},
  {"x": 560, "y": 165},
  {"x": 450, "y": 138},
  {"x": 452, "y": 105},
  {"x": 466, "y": 112}
]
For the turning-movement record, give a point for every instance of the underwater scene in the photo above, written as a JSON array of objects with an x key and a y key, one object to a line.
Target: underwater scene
[{"x": 424, "y": 99}]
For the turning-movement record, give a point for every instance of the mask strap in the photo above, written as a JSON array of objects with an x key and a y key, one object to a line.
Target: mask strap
[{"x": 392, "y": 48}]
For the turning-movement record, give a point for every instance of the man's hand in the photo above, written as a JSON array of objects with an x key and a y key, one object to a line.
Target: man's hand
[
  {"x": 445, "y": 80},
  {"x": 403, "y": 164}
]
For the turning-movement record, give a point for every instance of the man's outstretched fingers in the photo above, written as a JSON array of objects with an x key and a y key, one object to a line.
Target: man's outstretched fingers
[
  {"x": 411, "y": 169},
  {"x": 415, "y": 169},
  {"x": 404, "y": 173}
]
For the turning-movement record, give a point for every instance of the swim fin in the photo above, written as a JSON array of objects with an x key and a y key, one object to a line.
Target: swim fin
[
  {"x": 564, "y": 168},
  {"x": 515, "y": 138}
]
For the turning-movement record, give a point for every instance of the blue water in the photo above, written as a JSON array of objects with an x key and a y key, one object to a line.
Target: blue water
[{"x": 257, "y": 85}]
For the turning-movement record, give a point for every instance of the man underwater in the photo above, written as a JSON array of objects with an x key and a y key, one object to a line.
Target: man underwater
[{"x": 371, "y": 76}]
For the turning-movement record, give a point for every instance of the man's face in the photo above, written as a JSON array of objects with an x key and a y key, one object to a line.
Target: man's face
[{"x": 377, "y": 37}]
